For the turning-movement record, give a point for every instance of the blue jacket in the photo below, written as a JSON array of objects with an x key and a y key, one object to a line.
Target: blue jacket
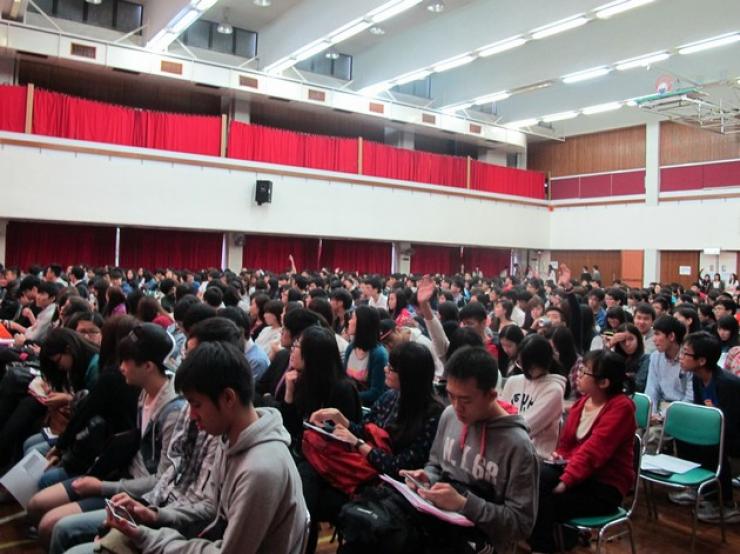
[{"x": 377, "y": 360}]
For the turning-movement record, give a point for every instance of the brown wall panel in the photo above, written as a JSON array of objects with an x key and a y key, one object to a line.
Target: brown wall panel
[
  {"x": 670, "y": 262},
  {"x": 632, "y": 267},
  {"x": 609, "y": 262},
  {"x": 593, "y": 153},
  {"x": 683, "y": 144}
]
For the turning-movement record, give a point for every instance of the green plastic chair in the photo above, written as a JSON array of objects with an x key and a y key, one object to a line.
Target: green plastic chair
[
  {"x": 700, "y": 426},
  {"x": 622, "y": 517},
  {"x": 643, "y": 407}
]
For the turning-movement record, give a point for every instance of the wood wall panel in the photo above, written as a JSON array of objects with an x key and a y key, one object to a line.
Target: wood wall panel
[
  {"x": 681, "y": 144},
  {"x": 670, "y": 262},
  {"x": 632, "y": 267},
  {"x": 594, "y": 153},
  {"x": 609, "y": 262}
]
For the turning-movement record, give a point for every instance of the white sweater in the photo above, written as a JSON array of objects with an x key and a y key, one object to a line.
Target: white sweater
[{"x": 540, "y": 402}]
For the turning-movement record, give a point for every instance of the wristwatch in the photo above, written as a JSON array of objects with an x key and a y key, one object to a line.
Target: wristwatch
[{"x": 359, "y": 443}]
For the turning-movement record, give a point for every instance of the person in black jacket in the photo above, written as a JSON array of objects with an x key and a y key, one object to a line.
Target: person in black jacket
[{"x": 720, "y": 389}]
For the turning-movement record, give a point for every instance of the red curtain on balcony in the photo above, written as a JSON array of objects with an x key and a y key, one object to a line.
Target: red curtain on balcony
[
  {"x": 356, "y": 255},
  {"x": 266, "y": 144},
  {"x": 507, "y": 180},
  {"x": 193, "y": 134},
  {"x": 12, "y": 108},
  {"x": 160, "y": 248},
  {"x": 488, "y": 260},
  {"x": 271, "y": 253},
  {"x": 428, "y": 258},
  {"x": 379, "y": 160},
  {"x": 31, "y": 243}
]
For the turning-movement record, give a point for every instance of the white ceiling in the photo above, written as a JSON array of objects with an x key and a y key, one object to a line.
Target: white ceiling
[{"x": 244, "y": 14}]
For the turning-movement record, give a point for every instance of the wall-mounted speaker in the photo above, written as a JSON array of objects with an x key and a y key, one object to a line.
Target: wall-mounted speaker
[{"x": 263, "y": 192}]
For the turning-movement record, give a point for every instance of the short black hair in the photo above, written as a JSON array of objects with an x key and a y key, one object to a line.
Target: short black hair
[
  {"x": 597, "y": 293},
  {"x": 664, "y": 302},
  {"x": 216, "y": 329},
  {"x": 274, "y": 307},
  {"x": 194, "y": 314},
  {"x": 213, "y": 296},
  {"x": 78, "y": 272},
  {"x": 183, "y": 305},
  {"x": 48, "y": 288},
  {"x": 448, "y": 311},
  {"x": 668, "y": 324},
  {"x": 618, "y": 295},
  {"x": 473, "y": 362},
  {"x": 728, "y": 304},
  {"x": 375, "y": 283},
  {"x": 705, "y": 345},
  {"x": 56, "y": 269},
  {"x": 342, "y": 295},
  {"x": 28, "y": 282},
  {"x": 507, "y": 306},
  {"x": 238, "y": 316},
  {"x": 645, "y": 309},
  {"x": 297, "y": 321},
  {"x": 213, "y": 367},
  {"x": 474, "y": 310}
]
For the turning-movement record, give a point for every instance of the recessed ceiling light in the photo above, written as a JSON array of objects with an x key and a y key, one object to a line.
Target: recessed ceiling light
[
  {"x": 436, "y": 7},
  {"x": 377, "y": 30},
  {"x": 225, "y": 27},
  {"x": 332, "y": 55},
  {"x": 263, "y": 3}
]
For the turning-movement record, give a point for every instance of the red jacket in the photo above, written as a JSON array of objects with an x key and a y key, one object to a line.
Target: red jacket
[{"x": 606, "y": 452}]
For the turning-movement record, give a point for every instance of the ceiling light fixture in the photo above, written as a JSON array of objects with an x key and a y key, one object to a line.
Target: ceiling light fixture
[
  {"x": 310, "y": 50},
  {"x": 454, "y": 108},
  {"x": 706, "y": 44},
  {"x": 94, "y": 2},
  {"x": 452, "y": 63},
  {"x": 411, "y": 77},
  {"x": 642, "y": 61},
  {"x": 378, "y": 31},
  {"x": 586, "y": 75},
  {"x": 501, "y": 46},
  {"x": 436, "y": 7},
  {"x": 560, "y": 116},
  {"x": 225, "y": 27},
  {"x": 332, "y": 54},
  {"x": 620, "y": 6},
  {"x": 390, "y": 9},
  {"x": 601, "y": 108},
  {"x": 559, "y": 26},
  {"x": 263, "y": 3},
  {"x": 522, "y": 123},
  {"x": 494, "y": 97}
]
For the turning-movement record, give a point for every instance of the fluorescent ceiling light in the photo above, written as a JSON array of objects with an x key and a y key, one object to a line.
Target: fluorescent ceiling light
[
  {"x": 501, "y": 46},
  {"x": 185, "y": 21},
  {"x": 642, "y": 61},
  {"x": 586, "y": 75},
  {"x": 311, "y": 50},
  {"x": 350, "y": 31},
  {"x": 613, "y": 8},
  {"x": 561, "y": 116},
  {"x": 559, "y": 26},
  {"x": 263, "y": 3},
  {"x": 495, "y": 97},
  {"x": 454, "y": 108},
  {"x": 601, "y": 108},
  {"x": 453, "y": 62},
  {"x": 390, "y": 9},
  {"x": 714, "y": 42},
  {"x": 522, "y": 123},
  {"x": 411, "y": 77},
  {"x": 203, "y": 5}
]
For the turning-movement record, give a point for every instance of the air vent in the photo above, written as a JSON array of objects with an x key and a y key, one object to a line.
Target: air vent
[
  {"x": 316, "y": 95},
  {"x": 250, "y": 82},
  {"x": 170, "y": 67},
  {"x": 477, "y": 129},
  {"x": 428, "y": 118},
  {"x": 82, "y": 50},
  {"x": 377, "y": 108}
]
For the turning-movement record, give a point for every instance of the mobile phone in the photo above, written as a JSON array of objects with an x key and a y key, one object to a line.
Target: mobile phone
[
  {"x": 120, "y": 513},
  {"x": 558, "y": 462},
  {"x": 419, "y": 484}
]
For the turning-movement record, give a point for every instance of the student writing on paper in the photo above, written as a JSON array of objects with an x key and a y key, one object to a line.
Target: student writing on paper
[{"x": 482, "y": 463}]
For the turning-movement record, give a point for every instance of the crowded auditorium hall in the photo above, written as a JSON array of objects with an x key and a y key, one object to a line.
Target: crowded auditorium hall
[{"x": 369, "y": 276}]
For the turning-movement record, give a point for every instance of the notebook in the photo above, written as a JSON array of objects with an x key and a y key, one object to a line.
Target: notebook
[
  {"x": 664, "y": 464},
  {"x": 425, "y": 506}
]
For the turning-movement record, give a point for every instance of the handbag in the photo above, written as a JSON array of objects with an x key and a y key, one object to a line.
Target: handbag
[{"x": 342, "y": 468}]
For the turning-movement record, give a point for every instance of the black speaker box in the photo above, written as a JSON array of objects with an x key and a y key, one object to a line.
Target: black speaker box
[{"x": 263, "y": 192}]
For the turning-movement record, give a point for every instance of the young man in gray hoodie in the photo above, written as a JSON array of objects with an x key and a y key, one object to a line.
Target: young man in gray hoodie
[
  {"x": 482, "y": 463},
  {"x": 255, "y": 501}
]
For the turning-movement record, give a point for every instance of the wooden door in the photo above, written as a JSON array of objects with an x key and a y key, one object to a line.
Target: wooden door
[
  {"x": 679, "y": 266},
  {"x": 632, "y": 267},
  {"x": 609, "y": 262}
]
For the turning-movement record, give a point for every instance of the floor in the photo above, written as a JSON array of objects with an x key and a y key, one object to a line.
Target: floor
[{"x": 671, "y": 533}]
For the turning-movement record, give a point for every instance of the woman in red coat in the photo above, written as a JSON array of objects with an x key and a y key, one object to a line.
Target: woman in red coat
[{"x": 592, "y": 469}]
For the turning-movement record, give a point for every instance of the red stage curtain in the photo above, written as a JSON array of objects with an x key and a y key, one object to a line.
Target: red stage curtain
[
  {"x": 428, "y": 258},
  {"x": 31, "y": 243},
  {"x": 379, "y": 160},
  {"x": 194, "y": 134},
  {"x": 271, "y": 253},
  {"x": 489, "y": 260},
  {"x": 356, "y": 255},
  {"x": 160, "y": 248},
  {"x": 265, "y": 144},
  {"x": 60, "y": 115},
  {"x": 507, "y": 180},
  {"x": 12, "y": 108}
]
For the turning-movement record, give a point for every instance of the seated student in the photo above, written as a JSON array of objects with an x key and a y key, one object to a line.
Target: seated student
[
  {"x": 688, "y": 316},
  {"x": 323, "y": 307},
  {"x": 39, "y": 323},
  {"x": 316, "y": 380},
  {"x": 502, "y": 312},
  {"x": 662, "y": 305},
  {"x": 665, "y": 381},
  {"x": 256, "y": 313},
  {"x": 485, "y": 452},
  {"x": 644, "y": 317},
  {"x": 727, "y": 331},
  {"x": 596, "y": 303},
  {"x": 253, "y": 462},
  {"x": 615, "y": 316},
  {"x": 720, "y": 389},
  {"x": 474, "y": 316},
  {"x": 510, "y": 339},
  {"x": 538, "y": 393},
  {"x": 341, "y": 304},
  {"x": 569, "y": 362},
  {"x": 409, "y": 413},
  {"x": 398, "y": 306},
  {"x": 628, "y": 343},
  {"x": 143, "y": 354},
  {"x": 272, "y": 314},
  {"x": 596, "y": 446},
  {"x": 392, "y": 335},
  {"x": 366, "y": 357},
  {"x": 258, "y": 360}
]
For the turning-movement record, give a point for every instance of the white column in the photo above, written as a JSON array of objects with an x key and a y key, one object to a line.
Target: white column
[
  {"x": 7, "y": 71},
  {"x": 492, "y": 156},
  {"x": 652, "y": 163},
  {"x": 651, "y": 267},
  {"x": 241, "y": 110},
  {"x": 401, "y": 258},
  {"x": 234, "y": 250},
  {"x": 3, "y": 237}
]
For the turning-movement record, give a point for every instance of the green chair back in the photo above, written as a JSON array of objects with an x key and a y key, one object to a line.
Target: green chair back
[
  {"x": 642, "y": 409},
  {"x": 694, "y": 424}
]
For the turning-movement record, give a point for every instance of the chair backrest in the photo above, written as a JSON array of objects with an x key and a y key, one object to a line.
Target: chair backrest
[
  {"x": 694, "y": 424},
  {"x": 637, "y": 462},
  {"x": 643, "y": 407}
]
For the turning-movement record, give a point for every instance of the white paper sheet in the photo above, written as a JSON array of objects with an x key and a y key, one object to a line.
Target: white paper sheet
[
  {"x": 663, "y": 463},
  {"x": 425, "y": 506},
  {"x": 22, "y": 480}
]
